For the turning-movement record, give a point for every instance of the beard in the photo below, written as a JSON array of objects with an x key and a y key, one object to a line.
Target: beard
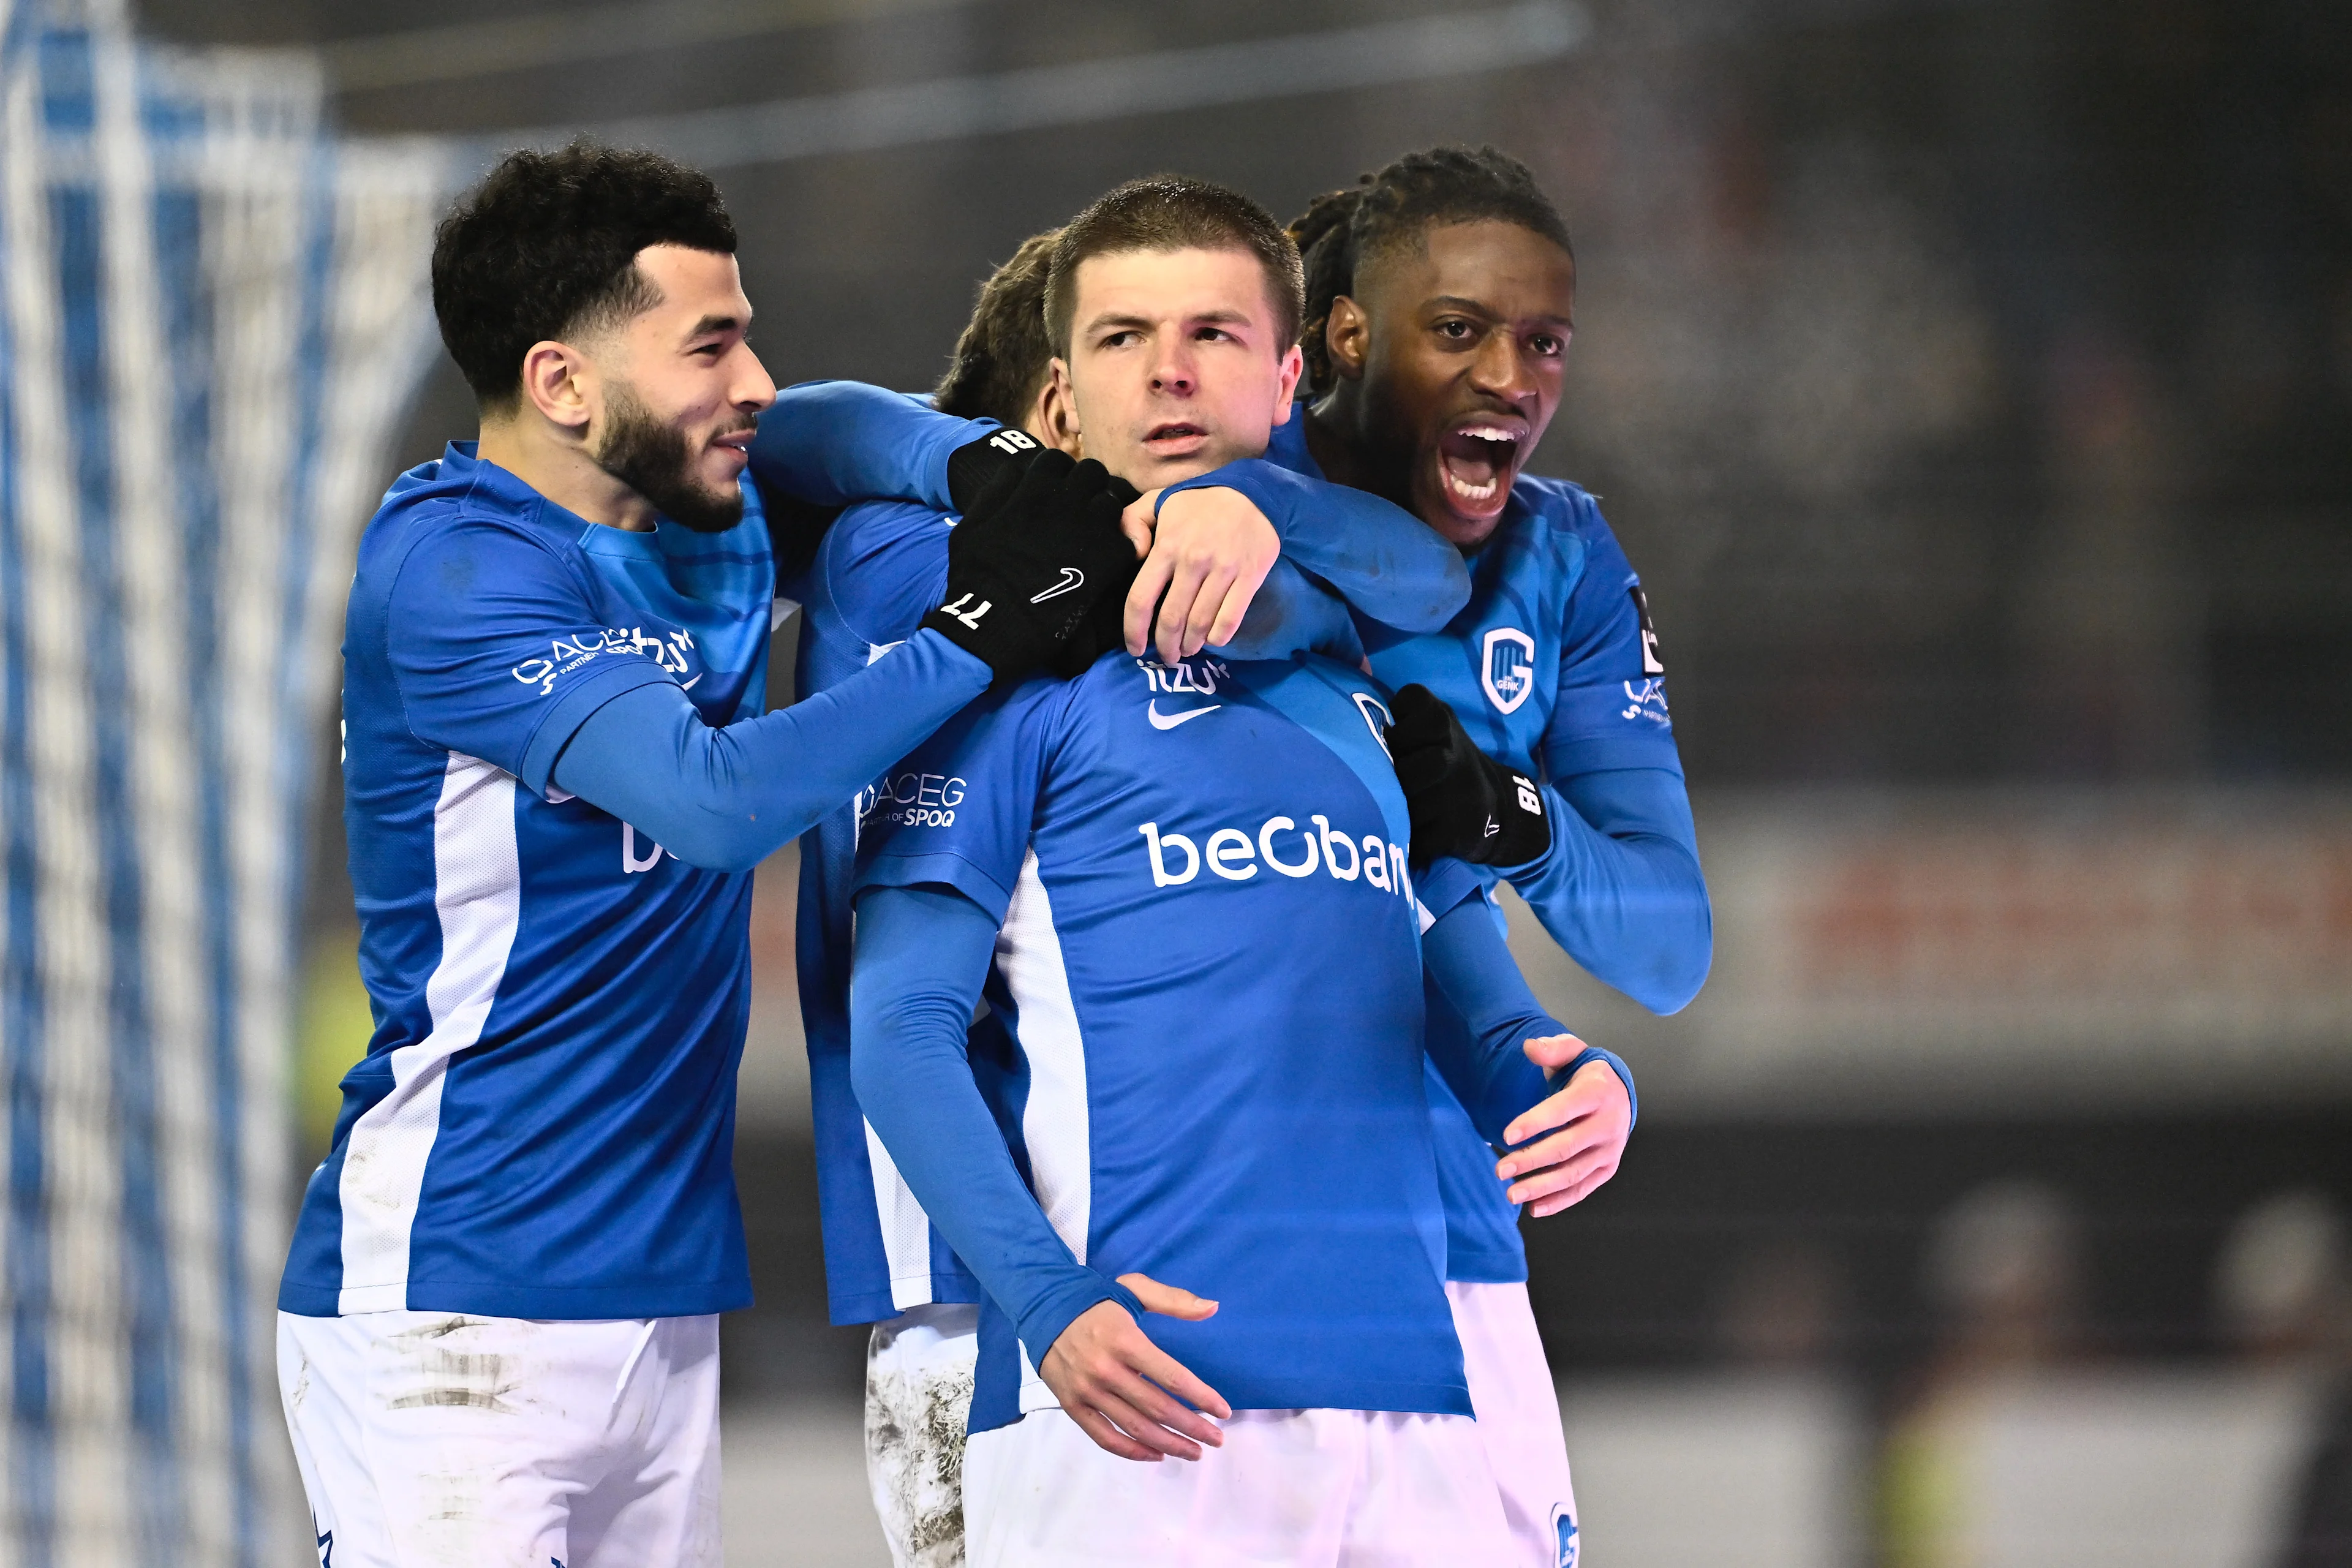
[{"x": 653, "y": 459}]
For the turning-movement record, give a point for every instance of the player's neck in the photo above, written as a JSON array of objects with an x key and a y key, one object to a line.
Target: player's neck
[
  {"x": 557, "y": 466},
  {"x": 1332, "y": 439}
]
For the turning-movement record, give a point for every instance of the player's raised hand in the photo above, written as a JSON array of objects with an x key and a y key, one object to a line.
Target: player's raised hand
[
  {"x": 1594, "y": 1115},
  {"x": 1211, "y": 548},
  {"x": 1117, "y": 1385}
]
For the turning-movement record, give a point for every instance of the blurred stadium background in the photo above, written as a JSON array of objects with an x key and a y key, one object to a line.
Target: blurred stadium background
[{"x": 1971, "y": 384}]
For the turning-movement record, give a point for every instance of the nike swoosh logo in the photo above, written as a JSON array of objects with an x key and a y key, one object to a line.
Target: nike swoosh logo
[
  {"x": 688, "y": 685},
  {"x": 1169, "y": 721},
  {"x": 1071, "y": 578}
]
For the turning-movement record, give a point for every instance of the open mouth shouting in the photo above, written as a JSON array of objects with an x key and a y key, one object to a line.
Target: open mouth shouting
[{"x": 1476, "y": 461}]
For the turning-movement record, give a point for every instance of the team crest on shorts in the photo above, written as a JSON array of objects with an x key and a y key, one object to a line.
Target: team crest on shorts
[
  {"x": 1506, "y": 667},
  {"x": 1563, "y": 1533}
]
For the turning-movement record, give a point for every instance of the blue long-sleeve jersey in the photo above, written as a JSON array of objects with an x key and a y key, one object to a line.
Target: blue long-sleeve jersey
[
  {"x": 872, "y": 576},
  {"x": 1207, "y": 960}
]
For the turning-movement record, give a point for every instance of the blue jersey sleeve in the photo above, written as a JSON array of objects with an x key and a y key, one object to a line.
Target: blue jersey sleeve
[
  {"x": 1291, "y": 613},
  {"x": 959, "y": 810},
  {"x": 1610, "y": 708},
  {"x": 496, "y": 651},
  {"x": 725, "y": 799},
  {"x": 882, "y": 567},
  {"x": 922, "y": 956},
  {"x": 1621, "y": 889},
  {"x": 1483, "y": 1063},
  {"x": 835, "y": 442},
  {"x": 1385, "y": 561}
]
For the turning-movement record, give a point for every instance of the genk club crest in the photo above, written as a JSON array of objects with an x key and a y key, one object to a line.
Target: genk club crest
[
  {"x": 1563, "y": 1533},
  {"x": 1506, "y": 667}
]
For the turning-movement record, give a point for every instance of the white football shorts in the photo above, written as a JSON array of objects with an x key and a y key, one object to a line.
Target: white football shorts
[
  {"x": 1323, "y": 1488},
  {"x": 427, "y": 1438},
  {"x": 1518, "y": 1419},
  {"x": 918, "y": 1374}
]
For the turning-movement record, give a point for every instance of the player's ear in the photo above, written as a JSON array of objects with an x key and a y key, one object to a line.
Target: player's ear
[
  {"x": 1058, "y": 386},
  {"x": 1054, "y": 421},
  {"x": 554, "y": 381},
  {"x": 1347, "y": 338},
  {"x": 1293, "y": 363}
]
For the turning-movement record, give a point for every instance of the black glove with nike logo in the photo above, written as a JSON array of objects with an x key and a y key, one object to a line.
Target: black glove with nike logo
[
  {"x": 1463, "y": 802},
  {"x": 1030, "y": 560}
]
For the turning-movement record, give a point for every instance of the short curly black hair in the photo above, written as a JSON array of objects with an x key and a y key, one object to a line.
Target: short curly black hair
[
  {"x": 1342, "y": 229},
  {"x": 1174, "y": 212},
  {"x": 547, "y": 246},
  {"x": 1003, "y": 356}
]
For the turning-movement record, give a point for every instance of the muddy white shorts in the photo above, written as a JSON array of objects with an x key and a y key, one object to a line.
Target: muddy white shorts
[
  {"x": 1322, "y": 1488},
  {"x": 432, "y": 1438},
  {"x": 1518, "y": 1418},
  {"x": 919, "y": 1373}
]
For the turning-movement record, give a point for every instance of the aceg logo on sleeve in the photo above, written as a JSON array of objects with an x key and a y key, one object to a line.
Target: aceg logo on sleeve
[
  {"x": 668, "y": 650},
  {"x": 913, "y": 799},
  {"x": 1234, "y": 856}
]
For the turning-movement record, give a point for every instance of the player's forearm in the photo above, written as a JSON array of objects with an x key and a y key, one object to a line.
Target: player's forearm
[
  {"x": 1383, "y": 560},
  {"x": 1485, "y": 1066},
  {"x": 1620, "y": 888},
  {"x": 725, "y": 799},
  {"x": 1293, "y": 614},
  {"x": 836, "y": 442},
  {"x": 922, "y": 954}
]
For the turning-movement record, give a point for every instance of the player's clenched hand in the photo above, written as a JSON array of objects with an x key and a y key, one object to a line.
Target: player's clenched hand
[
  {"x": 1117, "y": 1385},
  {"x": 1209, "y": 549},
  {"x": 1032, "y": 559},
  {"x": 1594, "y": 1115},
  {"x": 1463, "y": 802}
]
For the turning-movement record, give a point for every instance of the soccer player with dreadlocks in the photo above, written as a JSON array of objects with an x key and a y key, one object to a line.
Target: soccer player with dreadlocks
[
  {"x": 875, "y": 572},
  {"x": 1532, "y": 734}
]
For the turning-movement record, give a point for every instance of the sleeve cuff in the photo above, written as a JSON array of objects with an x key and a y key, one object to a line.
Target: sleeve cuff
[
  {"x": 591, "y": 691},
  {"x": 938, "y": 868},
  {"x": 1616, "y": 1065},
  {"x": 1047, "y": 1322}
]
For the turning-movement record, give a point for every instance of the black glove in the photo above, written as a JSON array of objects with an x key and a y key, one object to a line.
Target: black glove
[
  {"x": 982, "y": 472},
  {"x": 1027, "y": 565},
  {"x": 1463, "y": 802},
  {"x": 1104, "y": 626}
]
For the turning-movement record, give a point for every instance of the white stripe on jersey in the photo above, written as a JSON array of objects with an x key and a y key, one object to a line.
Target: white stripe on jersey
[
  {"x": 1055, "y": 1122},
  {"x": 906, "y": 1229},
  {"x": 478, "y": 893}
]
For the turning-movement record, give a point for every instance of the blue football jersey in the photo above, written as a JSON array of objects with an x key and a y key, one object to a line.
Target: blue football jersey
[
  {"x": 879, "y": 569},
  {"x": 542, "y": 1126},
  {"x": 1209, "y": 975},
  {"x": 1553, "y": 668}
]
